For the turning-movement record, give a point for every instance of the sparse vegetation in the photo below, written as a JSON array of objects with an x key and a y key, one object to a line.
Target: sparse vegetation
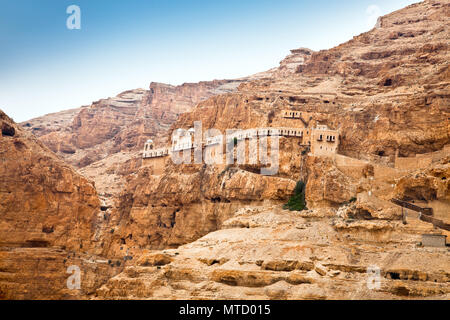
[{"x": 297, "y": 201}]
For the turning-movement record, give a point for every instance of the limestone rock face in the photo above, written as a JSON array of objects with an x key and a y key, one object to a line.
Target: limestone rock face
[
  {"x": 380, "y": 107},
  {"x": 121, "y": 123},
  {"x": 426, "y": 185},
  {"x": 44, "y": 273},
  {"x": 105, "y": 138},
  {"x": 218, "y": 231},
  {"x": 44, "y": 202},
  {"x": 180, "y": 207},
  {"x": 292, "y": 62},
  {"x": 285, "y": 255},
  {"x": 48, "y": 218},
  {"x": 327, "y": 186}
]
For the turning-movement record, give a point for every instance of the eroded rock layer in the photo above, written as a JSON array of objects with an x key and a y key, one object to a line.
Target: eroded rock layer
[
  {"x": 104, "y": 139},
  {"x": 219, "y": 231},
  {"x": 48, "y": 217},
  {"x": 388, "y": 97},
  {"x": 268, "y": 253}
]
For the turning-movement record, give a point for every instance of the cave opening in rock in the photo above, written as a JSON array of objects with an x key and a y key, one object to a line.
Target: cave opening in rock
[
  {"x": 36, "y": 244},
  {"x": 401, "y": 291},
  {"x": 388, "y": 83},
  {"x": 173, "y": 218},
  {"x": 394, "y": 275},
  {"x": 8, "y": 130},
  {"x": 215, "y": 200},
  {"x": 423, "y": 193},
  {"x": 48, "y": 229}
]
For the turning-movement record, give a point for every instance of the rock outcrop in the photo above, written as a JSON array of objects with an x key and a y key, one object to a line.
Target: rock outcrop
[
  {"x": 48, "y": 217},
  {"x": 201, "y": 231},
  {"x": 267, "y": 253},
  {"x": 97, "y": 136},
  {"x": 346, "y": 88},
  {"x": 44, "y": 202}
]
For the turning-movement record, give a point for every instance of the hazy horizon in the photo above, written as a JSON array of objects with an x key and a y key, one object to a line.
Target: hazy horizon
[{"x": 48, "y": 68}]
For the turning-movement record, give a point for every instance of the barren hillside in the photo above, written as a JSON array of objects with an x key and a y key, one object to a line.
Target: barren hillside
[{"x": 160, "y": 230}]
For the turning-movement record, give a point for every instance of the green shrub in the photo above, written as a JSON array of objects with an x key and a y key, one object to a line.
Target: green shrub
[{"x": 297, "y": 201}]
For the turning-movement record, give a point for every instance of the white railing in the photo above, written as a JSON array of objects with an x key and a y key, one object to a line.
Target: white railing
[
  {"x": 156, "y": 153},
  {"x": 239, "y": 135}
]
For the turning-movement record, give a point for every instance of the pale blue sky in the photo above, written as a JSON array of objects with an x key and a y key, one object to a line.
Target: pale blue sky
[{"x": 44, "y": 67}]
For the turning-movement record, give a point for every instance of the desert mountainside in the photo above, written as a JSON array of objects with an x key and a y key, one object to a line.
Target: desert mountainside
[
  {"x": 75, "y": 189},
  {"x": 103, "y": 140}
]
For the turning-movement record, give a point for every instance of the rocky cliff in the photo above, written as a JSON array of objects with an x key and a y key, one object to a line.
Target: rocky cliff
[
  {"x": 386, "y": 95},
  {"x": 264, "y": 252},
  {"x": 104, "y": 139},
  {"x": 219, "y": 231},
  {"x": 48, "y": 218},
  {"x": 44, "y": 201}
]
